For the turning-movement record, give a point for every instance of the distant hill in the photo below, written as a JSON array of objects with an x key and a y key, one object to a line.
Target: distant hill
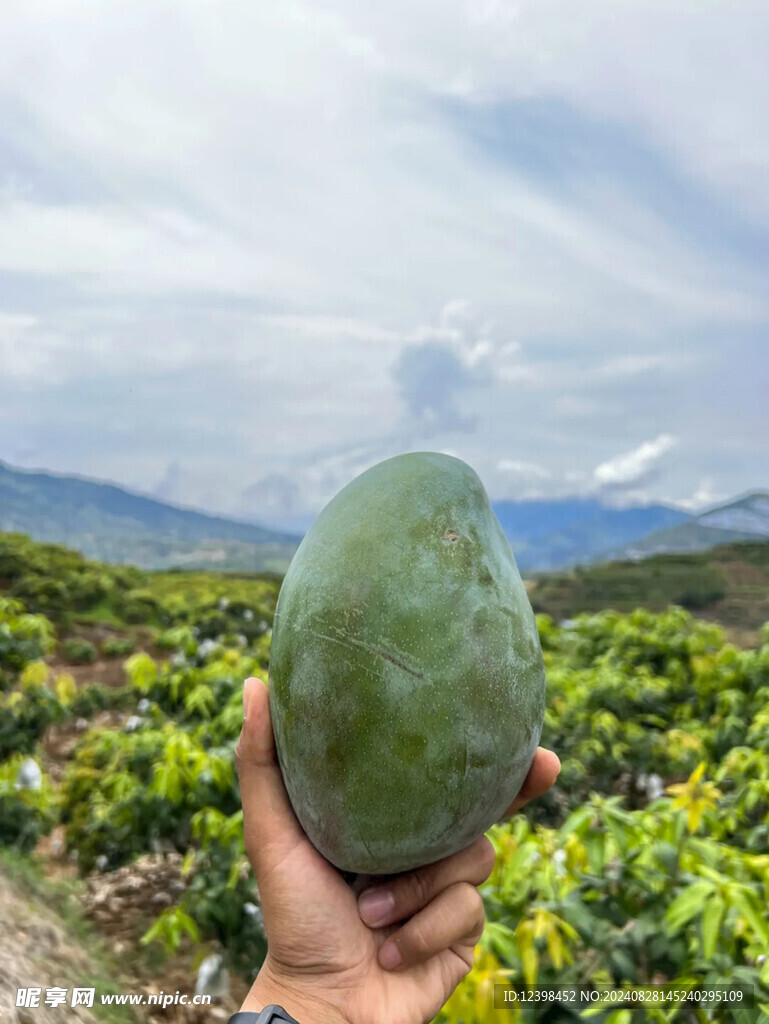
[
  {"x": 111, "y": 524},
  {"x": 743, "y": 519},
  {"x": 728, "y": 583},
  {"x": 555, "y": 534},
  {"x": 749, "y": 514}
]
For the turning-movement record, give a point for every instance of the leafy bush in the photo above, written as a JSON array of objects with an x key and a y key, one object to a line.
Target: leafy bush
[
  {"x": 27, "y": 712},
  {"x": 187, "y": 691},
  {"x": 23, "y": 637},
  {"x": 94, "y": 697},
  {"x": 43, "y": 593},
  {"x": 694, "y": 598},
  {"x": 220, "y": 899},
  {"x": 630, "y": 697},
  {"x": 646, "y": 861},
  {"x": 617, "y": 897},
  {"x": 80, "y": 652},
  {"x": 139, "y": 605},
  {"x": 117, "y": 647},
  {"x": 89, "y": 588},
  {"x": 179, "y": 638},
  {"x": 25, "y": 813},
  {"x": 125, "y": 792}
]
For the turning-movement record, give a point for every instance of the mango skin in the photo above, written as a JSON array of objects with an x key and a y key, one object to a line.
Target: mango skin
[{"x": 407, "y": 685}]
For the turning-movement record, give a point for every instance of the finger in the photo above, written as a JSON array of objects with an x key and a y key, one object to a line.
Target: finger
[
  {"x": 404, "y": 895},
  {"x": 270, "y": 826},
  {"x": 455, "y": 916},
  {"x": 542, "y": 774}
]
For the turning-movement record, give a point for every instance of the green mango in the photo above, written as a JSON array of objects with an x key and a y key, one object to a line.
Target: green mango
[{"x": 407, "y": 686}]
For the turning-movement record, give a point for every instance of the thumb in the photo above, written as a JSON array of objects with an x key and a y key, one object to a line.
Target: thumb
[{"x": 270, "y": 827}]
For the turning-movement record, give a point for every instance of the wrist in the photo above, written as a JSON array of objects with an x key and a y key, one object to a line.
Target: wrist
[{"x": 295, "y": 996}]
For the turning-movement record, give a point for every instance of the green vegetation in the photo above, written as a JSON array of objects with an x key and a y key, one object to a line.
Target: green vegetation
[
  {"x": 26, "y": 812},
  {"x": 647, "y": 862},
  {"x": 622, "y": 898},
  {"x": 23, "y": 638},
  {"x": 730, "y": 583},
  {"x": 69, "y": 590},
  {"x": 28, "y": 709},
  {"x": 79, "y": 652},
  {"x": 116, "y": 647},
  {"x": 60, "y": 583}
]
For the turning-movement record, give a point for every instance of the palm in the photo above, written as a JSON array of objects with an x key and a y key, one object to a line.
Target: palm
[{"x": 321, "y": 934}]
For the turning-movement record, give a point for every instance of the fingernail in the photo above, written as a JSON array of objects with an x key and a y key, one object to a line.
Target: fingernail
[
  {"x": 389, "y": 956},
  {"x": 375, "y": 905}
]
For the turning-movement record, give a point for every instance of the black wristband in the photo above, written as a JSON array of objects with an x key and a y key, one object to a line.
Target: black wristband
[{"x": 272, "y": 1014}]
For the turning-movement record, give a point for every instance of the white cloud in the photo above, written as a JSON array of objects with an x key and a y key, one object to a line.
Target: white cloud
[
  {"x": 221, "y": 225},
  {"x": 27, "y": 349},
  {"x": 526, "y": 470},
  {"x": 631, "y": 467},
  {"x": 691, "y": 74},
  {"x": 634, "y": 364},
  {"x": 336, "y": 185},
  {"x": 704, "y": 496},
  {"x": 575, "y": 406}
]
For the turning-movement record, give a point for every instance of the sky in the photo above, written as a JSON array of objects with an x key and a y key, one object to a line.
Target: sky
[{"x": 248, "y": 250}]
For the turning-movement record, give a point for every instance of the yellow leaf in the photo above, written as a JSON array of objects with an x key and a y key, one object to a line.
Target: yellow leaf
[
  {"x": 555, "y": 947},
  {"x": 697, "y": 774},
  {"x": 541, "y": 924},
  {"x": 65, "y": 687},
  {"x": 34, "y": 675},
  {"x": 524, "y": 935},
  {"x": 694, "y": 815},
  {"x": 677, "y": 788}
]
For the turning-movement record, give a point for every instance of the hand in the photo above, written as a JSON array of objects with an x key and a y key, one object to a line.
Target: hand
[{"x": 337, "y": 955}]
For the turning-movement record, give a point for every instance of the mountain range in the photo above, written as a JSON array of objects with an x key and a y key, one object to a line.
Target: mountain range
[
  {"x": 554, "y": 534},
  {"x": 746, "y": 518},
  {"x": 112, "y": 524}
]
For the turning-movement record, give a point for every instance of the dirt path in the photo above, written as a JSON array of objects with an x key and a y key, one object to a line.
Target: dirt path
[
  {"x": 108, "y": 672},
  {"x": 41, "y": 950},
  {"x": 36, "y": 951}
]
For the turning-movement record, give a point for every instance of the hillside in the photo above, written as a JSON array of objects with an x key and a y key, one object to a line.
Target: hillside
[
  {"x": 745, "y": 518},
  {"x": 729, "y": 584},
  {"x": 112, "y": 524},
  {"x": 127, "y": 870},
  {"x": 556, "y": 534}
]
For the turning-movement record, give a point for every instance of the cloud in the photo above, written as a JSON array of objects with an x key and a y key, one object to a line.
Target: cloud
[
  {"x": 170, "y": 484},
  {"x": 636, "y": 466},
  {"x": 325, "y": 474},
  {"x": 487, "y": 233},
  {"x": 635, "y": 364},
  {"x": 703, "y": 497},
  {"x": 288, "y": 209},
  {"x": 431, "y": 378},
  {"x": 664, "y": 83},
  {"x": 275, "y": 497},
  {"x": 526, "y": 470}
]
